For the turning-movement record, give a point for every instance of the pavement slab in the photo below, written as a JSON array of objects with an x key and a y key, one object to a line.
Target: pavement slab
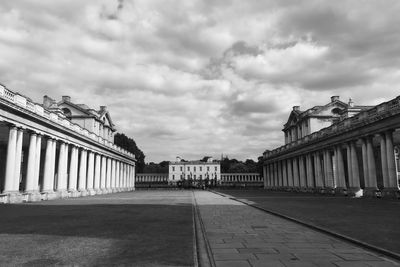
[{"x": 240, "y": 235}]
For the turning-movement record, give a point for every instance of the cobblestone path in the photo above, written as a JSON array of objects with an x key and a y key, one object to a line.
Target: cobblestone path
[{"x": 240, "y": 235}]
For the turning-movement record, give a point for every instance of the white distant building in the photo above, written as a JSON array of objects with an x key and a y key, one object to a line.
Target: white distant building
[{"x": 194, "y": 170}]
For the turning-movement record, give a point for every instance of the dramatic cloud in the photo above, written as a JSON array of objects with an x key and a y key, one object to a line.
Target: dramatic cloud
[{"x": 195, "y": 78}]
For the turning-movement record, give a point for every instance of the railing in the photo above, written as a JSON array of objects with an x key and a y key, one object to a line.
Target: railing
[
  {"x": 364, "y": 117},
  {"x": 27, "y": 104}
]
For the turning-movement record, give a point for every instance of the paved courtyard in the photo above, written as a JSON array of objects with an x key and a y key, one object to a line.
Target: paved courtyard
[
  {"x": 156, "y": 228},
  {"x": 370, "y": 220},
  {"x": 240, "y": 235}
]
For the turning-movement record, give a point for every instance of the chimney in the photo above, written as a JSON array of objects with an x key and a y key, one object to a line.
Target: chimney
[
  {"x": 48, "y": 101},
  {"x": 103, "y": 108},
  {"x": 334, "y": 98},
  {"x": 66, "y": 98},
  {"x": 296, "y": 108},
  {"x": 351, "y": 103}
]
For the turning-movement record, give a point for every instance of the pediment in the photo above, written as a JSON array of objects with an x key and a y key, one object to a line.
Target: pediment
[
  {"x": 293, "y": 119},
  {"x": 106, "y": 119}
]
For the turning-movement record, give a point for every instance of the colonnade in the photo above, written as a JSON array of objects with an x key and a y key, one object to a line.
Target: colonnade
[
  {"x": 240, "y": 177},
  {"x": 342, "y": 167},
  {"x": 151, "y": 178},
  {"x": 65, "y": 170}
]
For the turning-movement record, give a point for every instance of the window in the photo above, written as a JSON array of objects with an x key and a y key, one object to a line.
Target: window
[
  {"x": 173, "y": 168},
  {"x": 194, "y": 168},
  {"x": 201, "y": 169},
  {"x": 200, "y": 176},
  {"x": 67, "y": 112},
  {"x": 194, "y": 176},
  {"x": 208, "y": 168},
  {"x": 188, "y": 168},
  {"x": 216, "y": 168},
  {"x": 181, "y": 168},
  {"x": 173, "y": 176}
]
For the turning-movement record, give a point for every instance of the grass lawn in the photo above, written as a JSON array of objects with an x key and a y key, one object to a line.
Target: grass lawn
[
  {"x": 374, "y": 221},
  {"x": 132, "y": 229}
]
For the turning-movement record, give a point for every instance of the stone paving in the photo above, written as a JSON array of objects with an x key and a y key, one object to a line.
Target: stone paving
[{"x": 240, "y": 235}]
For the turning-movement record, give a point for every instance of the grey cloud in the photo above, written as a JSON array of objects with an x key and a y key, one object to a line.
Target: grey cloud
[{"x": 241, "y": 108}]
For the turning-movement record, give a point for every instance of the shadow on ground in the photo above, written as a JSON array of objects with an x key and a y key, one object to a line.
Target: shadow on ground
[
  {"x": 96, "y": 234},
  {"x": 371, "y": 220}
]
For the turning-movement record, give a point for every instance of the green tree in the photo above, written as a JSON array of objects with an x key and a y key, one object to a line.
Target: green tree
[{"x": 129, "y": 144}]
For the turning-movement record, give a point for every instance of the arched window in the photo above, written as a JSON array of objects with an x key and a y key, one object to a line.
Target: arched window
[
  {"x": 336, "y": 111},
  {"x": 67, "y": 112}
]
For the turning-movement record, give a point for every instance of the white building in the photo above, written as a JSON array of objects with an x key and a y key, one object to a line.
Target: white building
[
  {"x": 58, "y": 150},
  {"x": 195, "y": 170}
]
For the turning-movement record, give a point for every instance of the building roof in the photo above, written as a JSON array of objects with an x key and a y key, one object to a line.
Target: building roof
[{"x": 297, "y": 115}]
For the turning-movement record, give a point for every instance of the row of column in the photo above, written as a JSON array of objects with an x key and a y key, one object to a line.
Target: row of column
[
  {"x": 241, "y": 178},
  {"x": 337, "y": 167},
  {"x": 151, "y": 178},
  {"x": 80, "y": 173}
]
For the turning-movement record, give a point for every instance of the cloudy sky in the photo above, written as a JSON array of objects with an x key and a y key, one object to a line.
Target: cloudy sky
[{"x": 195, "y": 78}]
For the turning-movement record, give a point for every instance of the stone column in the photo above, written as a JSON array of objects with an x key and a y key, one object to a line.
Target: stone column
[
  {"x": 133, "y": 177},
  {"x": 302, "y": 174},
  {"x": 125, "y": 184},
  {"x": 48, "y": 176},
  {"x": 130, "y": 177},
  {"x": 90, "y": 174},
  {"x": 284, "y": 174},
  {"x": 296, "y": 178},
  {"x": 123, "y": 176},
  {"x": 364, "y": 161},
  {"x": 290, "y": 173},
  {"x": 349, "y": 163},
  {"x": 265, "y": 176},
  {"x": 73, "y": 172},
  {"x": 103, "y": 176},
  {"x": 118, "y": 176},
  {"x": 384, "y": 162},
  {"x": 113, "y": 176},
  {"x": 319, "y": 177},
  {"x": 37, "y": 162},
  {"x": 355, "y": 173},
  {"x": 392, "y": 175},
  {"x": 30, "y": 185},
  {"x": 62, "y": 183},
  {"x": 9, "y": 185},
  {"x": 310, "y": 177},
  {"x": 329, "y": 170},
  {"x": 83, "y": 173},
  {"x": 280, "y": 176},
  {"x": 53, "y": 166},
  {"x": 97, "y": 175},
  {"x": 371, "y": 186},
  {"x": 340, "y": 174},
  {"x": 108, "y": 175},
  {"x": 17, "y": 170}
]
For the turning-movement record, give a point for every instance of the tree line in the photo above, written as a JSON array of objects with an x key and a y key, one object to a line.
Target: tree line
[{"x": 227, "y": 165}]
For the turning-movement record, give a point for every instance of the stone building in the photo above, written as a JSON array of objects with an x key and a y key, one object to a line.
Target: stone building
[
  {"x": 194, "y": 170},
  {"x": 58, "y": 150},
  {"x": 303, "y": 123},
  {"x": 338, "y": 148},
  {"x": 96, "y": 121}
]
